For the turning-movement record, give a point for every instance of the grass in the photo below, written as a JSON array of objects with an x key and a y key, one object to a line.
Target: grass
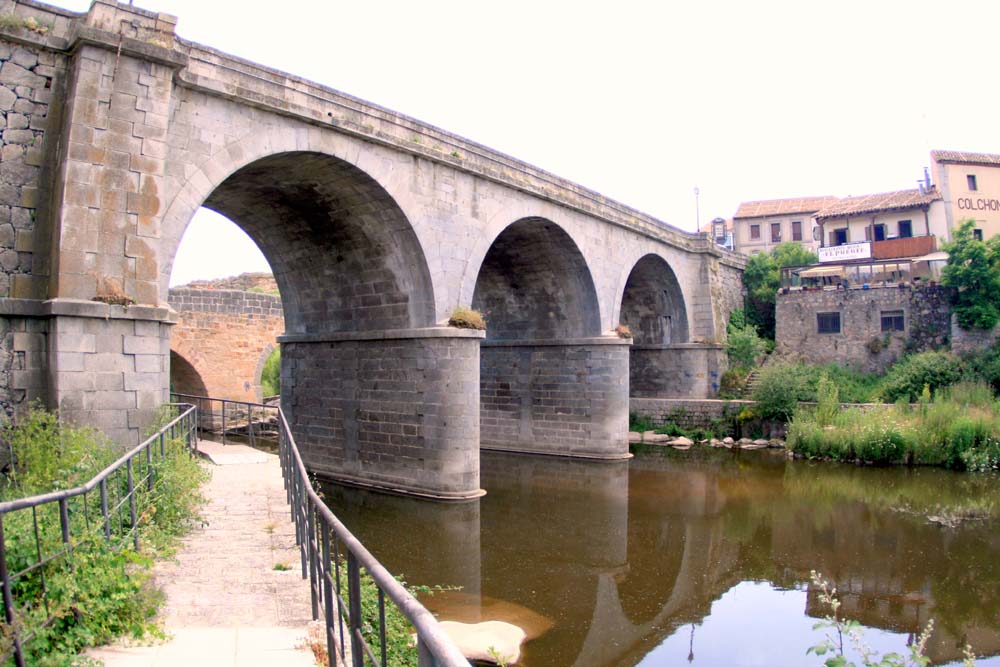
[
  {"x": 467, "y": 318},
  {"x": 959, "y": 428},
  {"x": 281, "y": 567}
]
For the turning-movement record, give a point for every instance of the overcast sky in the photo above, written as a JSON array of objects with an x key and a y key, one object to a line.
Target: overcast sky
[{"x": 642, "y": 101}]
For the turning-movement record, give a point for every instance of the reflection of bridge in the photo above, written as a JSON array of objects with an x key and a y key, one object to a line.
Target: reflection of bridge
[
  {"x": 624, "y": 555},
  {"x": 376, "y": 227}
]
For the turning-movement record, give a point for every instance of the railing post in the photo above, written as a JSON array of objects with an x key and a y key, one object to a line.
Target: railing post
[
  {"x": 131, "y": 504},
  {"x": 149, "y": 467},
  {"x": 331, "y": 643},
  {"x": 8, "y": 600},
  {"x": 104, "y": 509},
  {"x": 311, "y": 544},
  {"x": 354, "y": 609}
]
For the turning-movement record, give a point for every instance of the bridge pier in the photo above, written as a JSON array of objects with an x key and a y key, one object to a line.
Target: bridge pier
[
  {"x": 567, "y": 398},
  {"x": 681, "y": 370},
  {"x": 394, "y": 410}
]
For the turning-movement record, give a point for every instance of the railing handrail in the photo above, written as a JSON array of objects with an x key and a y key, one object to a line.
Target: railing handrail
[
  {"x": 428, "y": 630},
  {"x": 64, "y": 494}
]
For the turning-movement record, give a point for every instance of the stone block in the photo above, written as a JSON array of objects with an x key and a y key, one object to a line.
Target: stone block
[
  {"x": 71, "y": 342},
  {"x": 145, "y": 381},
  {"x": 142, "y": 345}
]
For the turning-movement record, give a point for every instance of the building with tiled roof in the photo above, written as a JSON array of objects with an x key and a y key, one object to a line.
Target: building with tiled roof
[
  {"x": 970, "y": 189},
  {"x": 883, "y": 216},
  {"x": 760, "y": 225}
]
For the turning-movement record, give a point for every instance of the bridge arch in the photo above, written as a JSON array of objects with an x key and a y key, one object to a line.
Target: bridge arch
[
  {"x": 184, "y": 377},
  {"x": 652, "y": 303},
  {"x": 534, "y": 283},
  {"x": 548, "y": 381},
  {"x": 343, "y": 253}
]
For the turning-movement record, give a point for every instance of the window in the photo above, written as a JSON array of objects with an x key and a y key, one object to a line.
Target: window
[
  {"x": 755, "y": 231},
  {"x": 797, "y": 230},
  {"x": 977, "y": 234},
  {"x": 828, "y": 323},
  {"x": 775, "y": 232},
  {"x": 971, "y": 180},
  {"x": 838, "y": 236},
  {"x": 905, "y": 229},
  {"x": 892, "y": 320}
]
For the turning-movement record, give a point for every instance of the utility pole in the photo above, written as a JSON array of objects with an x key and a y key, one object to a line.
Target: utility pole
[{"x": 697, "y": 209}]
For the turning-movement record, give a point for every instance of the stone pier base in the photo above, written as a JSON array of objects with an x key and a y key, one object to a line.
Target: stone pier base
[
  {"x": 396, "y": 411},
  {"x": 683, "y": 370},
  {"x": 567, "y": 398},
  {"x": 100, "y": 365}
]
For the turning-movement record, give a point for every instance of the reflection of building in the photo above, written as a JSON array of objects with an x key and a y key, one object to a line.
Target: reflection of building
[{"x": 760, "y": 225}]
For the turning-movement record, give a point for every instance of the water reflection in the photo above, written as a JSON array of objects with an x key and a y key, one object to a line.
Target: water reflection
[{"x": 611, "y": 564}]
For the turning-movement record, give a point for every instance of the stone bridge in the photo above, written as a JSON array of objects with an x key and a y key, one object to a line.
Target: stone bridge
[
  {"x": 376, "y": 226},
  {"x": 221, "y": 340}
]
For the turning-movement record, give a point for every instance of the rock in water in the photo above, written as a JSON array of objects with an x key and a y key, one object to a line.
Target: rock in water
[{"x": 475, "y": 640}]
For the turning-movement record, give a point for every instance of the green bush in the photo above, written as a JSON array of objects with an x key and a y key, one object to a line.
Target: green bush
[
  {"x": 270, "y": 376},
  {"x": 908, "y": 378},
  {"x": 972, "y": 272},
  {"x": 778, "y": 390},
  {"x": 745, "y": 347},
  {"x": 98, "y": 591}
]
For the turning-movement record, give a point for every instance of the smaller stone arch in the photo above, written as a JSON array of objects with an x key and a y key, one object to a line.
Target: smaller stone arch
[
  {"x": 534, "y": 284},
  {"x": 652, "y": 304},
  {"x": 259, "y": 370},
  {"x": 184, "y": 377}
]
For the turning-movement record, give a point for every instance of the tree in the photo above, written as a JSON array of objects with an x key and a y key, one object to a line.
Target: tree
[
  {"x": 972, "y": 271},
  {"x": 762, "y": 278}
]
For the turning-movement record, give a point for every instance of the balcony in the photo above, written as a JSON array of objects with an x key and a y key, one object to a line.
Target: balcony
[{"x": 914, "y": 246}]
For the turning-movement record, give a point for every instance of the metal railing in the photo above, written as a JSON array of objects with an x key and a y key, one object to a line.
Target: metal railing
[
  {"x": 109, "y": 507},
  {"x": 226, "y": 418},
  {"x": 333, "y": 560}
]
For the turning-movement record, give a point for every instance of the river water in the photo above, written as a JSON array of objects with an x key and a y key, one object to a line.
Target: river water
[{"x": 700, "y": 557}]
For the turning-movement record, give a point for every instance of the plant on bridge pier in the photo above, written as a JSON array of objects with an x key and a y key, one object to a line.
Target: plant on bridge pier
[{"x": 467, "y": 318}]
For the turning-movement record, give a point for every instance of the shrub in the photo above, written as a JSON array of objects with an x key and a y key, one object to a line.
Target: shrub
[
  {"x": 270, "y": 376},
  {"x": 733, "y": 381},
  {"x": 907, "y": 378},
  {"x": 467, "y": 318},
  {"x": 745, "y": 347},
  {"x": 827, "y": 401},
  {"x": 972, "y": 271},
  {"x": 778, "y": 390},
  {"x": 96, "y": 592}
]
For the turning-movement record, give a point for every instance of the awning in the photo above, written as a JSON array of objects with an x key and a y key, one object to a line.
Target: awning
[
  {"x": 939, "y": 256},
  {"x": 819, "y": 271}
]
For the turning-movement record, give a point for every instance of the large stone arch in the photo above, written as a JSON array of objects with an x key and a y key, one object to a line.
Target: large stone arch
[
  {"x": 359, "y": 349},
  {"x": 549, "y": 383}
]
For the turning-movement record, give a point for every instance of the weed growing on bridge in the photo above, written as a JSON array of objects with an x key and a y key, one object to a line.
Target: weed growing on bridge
[
  {"x": 12, "y": 21},
  {"x": 100, "y": 590},
  {"x": 467, "y": 318}
]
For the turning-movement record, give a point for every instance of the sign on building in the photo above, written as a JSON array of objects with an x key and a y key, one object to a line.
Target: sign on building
[{"x": 839, "y": 253}]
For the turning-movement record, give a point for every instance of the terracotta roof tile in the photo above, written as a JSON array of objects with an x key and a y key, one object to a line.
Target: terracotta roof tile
[
  {"x": 760, "y": 209},
  {"x": 960, "y": 157},
  {"x": 877, "y": 203}
]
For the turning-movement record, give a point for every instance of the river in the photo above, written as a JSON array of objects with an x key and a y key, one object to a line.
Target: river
[{"x": 700, "y": 557}]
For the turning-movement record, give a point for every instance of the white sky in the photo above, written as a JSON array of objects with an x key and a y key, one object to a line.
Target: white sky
[{"x": 642, "y": 101}]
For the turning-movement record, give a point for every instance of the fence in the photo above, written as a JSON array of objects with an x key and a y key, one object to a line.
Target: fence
[
  {"x": 62, "y": 520},
  {"x": 333, "y": 561}
]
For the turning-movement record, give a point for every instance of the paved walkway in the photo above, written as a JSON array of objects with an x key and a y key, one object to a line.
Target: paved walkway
[{"x": 226, "y": 604}]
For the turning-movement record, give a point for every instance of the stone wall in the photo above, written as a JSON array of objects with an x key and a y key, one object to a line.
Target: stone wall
[
  {"x": 686, "y": 413},
  {"x": 861, "y": 343},
  {"x": 223, "y": 336},
  {"x": 567, "y": 398},
  {"x": 728, "y": 291},
  {"x": 23, "y": 356},
  {"x": 967, "y": 342}
]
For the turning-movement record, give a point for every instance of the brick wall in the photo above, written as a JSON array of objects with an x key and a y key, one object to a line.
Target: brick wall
[
  {"x": 686, "y": 413},
  {"x": 222, "y": 339}
]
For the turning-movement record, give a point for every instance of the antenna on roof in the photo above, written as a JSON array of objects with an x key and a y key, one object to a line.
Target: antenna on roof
[{"x": 925, "y": 184}]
